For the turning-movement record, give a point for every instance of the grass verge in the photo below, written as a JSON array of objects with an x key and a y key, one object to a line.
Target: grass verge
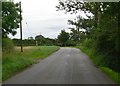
[
  {"x": 96, "y": 59},
  {"x": 16, "y": 61},
  {"x": 112, "y": 74}
]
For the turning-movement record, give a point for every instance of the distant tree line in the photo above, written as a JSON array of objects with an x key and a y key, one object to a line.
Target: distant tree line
[
  {"x": 38, "y": 41},
  {"x": 64, "y": 39}
]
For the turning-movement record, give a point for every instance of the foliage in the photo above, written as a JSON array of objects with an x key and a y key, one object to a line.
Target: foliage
[
  {"x": 100, "y": 60},
  {"x": 0, "y": 15},
  {"x": 41, "y": 40},
  {"x": 63, "y": 37},
  {"x": 7, "y": 45},
  {"x": 91, "y": 54},
  {"x": 74, "y": 35},
  {"x": 25, "y": 42},
  {"x": 38, "y": 41},
  {"x": 15, "y": 61},
  {"x": 87, "y": 42},
  {"x": 103, "y": 34},
  {"x": 112, "y": 74},
  {"x": 10, "y": 18}
]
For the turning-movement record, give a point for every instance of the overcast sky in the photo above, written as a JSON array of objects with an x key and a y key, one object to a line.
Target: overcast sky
[{"x": 42, "y": 18}]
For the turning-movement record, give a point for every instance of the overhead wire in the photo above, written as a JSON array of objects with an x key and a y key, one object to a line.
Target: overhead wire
[{"x": 26, "y": 23}]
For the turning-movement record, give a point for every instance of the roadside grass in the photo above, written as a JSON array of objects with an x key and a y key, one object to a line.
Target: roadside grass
[
  {"x": 0, "y": 65},
  {"x": 16, "y": 61},
  {"x": 0, "y": 71},
  {"x": 112, "y": 74},
  {"x": 90, "y": 53},
  {"x": 97, "y": 60}
]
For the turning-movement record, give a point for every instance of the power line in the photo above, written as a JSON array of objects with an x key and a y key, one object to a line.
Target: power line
[{"x": 27, "y": 26}]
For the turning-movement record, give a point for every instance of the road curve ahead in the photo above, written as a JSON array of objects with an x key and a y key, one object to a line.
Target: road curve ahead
[{"x": 66, "y": 66}]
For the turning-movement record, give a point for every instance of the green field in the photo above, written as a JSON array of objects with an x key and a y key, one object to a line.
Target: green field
[{"x": 16, "y": 61}]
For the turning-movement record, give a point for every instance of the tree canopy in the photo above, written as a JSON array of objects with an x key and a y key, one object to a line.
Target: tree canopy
[
  {"x": 102, "y": 31},
  {"x": 10, "y": 18},
  {"x": 63, "y": 37}
]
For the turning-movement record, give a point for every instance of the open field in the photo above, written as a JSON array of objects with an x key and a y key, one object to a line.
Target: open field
[{"x": 16, "y": 61}]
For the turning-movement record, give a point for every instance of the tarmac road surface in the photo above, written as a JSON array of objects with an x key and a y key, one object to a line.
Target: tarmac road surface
[{"x": 66, "y": 66}]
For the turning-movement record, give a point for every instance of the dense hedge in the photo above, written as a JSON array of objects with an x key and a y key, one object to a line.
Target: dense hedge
[{"x": 7, "y": 45}]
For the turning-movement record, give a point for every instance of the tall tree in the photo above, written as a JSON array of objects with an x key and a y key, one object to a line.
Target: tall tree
[
  {"x": 63, "y": 37},
  {"x": 10, "y": 18},
  {"x": 40, "y": 39},
  {"x": 75, "y": 6},
  {"x": 74, "y": 35},
  {"x": 104, "y": 35},
  {"x": 82, "y": 26}
]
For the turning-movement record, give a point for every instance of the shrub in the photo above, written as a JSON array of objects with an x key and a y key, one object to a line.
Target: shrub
[
  {"x": 88, "y": 43},
  {"x": 71, "y": 43},
  {"x": 7, "y": 45}
]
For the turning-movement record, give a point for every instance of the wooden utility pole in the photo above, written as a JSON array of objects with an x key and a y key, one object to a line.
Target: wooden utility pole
[{"x": 21, "y": 28}]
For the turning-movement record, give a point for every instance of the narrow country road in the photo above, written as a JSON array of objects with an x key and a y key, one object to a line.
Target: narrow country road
[{"x": 66, "y": 66}]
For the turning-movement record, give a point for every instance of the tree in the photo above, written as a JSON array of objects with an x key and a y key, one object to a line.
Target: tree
[
  {"x": 82, "y": 27},
  {"x": 10, "y": 18},
  {"x": 103, "y": 37},
  {"x": 26, "y": 42},
  {"x": 0, "y": 15},
  {"x": 40, "y": 39},
  {"x": 75, "y": 6},
  {"x": 63, "y": 37},
  {"x": 31, "y": 38},
  {"x": 74, "y": 35}
]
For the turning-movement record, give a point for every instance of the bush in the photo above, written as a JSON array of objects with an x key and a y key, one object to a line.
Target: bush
[
  {"x": 7, "y": 45},
  {"x": 71, "y": 43},
  {"x": 88, "y": 43},
  {"x": 102, "y": 59}
]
